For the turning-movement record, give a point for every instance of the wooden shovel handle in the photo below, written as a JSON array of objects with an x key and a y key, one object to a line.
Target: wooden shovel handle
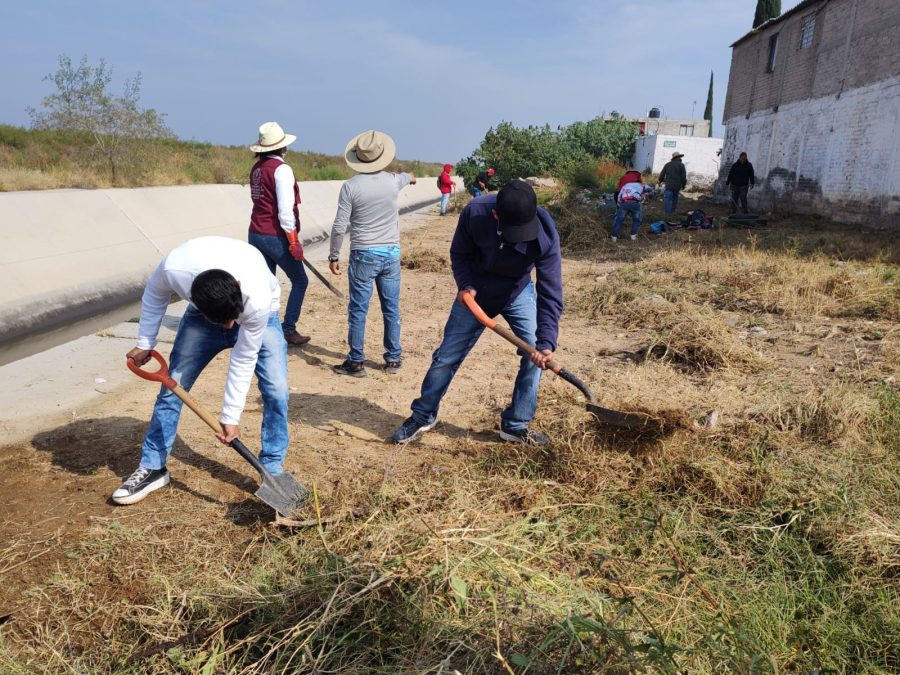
[
  {"x": 162, "y": 375},
  {"x": 503, "y": 331}
]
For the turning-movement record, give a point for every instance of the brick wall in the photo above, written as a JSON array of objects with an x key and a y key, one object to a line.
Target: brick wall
[
  {"x": 827, "y": 155},
  {"x": 822, "y": 129},
  {"x": 854, "y": 45}
]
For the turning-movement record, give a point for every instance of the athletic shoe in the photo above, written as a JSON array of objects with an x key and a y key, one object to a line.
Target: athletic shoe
[
  {"x": 296, "y": 339},
  {"x": 391, "y": 367},
  {"x": 634, "y": 237},
  {"x": 526, "y": 436},
  {"x": 410, "y": 430},
  {"x": 614, "y": 239},
  {"x": 351, "y": 368},
  {"x": 140, "y": 484}
]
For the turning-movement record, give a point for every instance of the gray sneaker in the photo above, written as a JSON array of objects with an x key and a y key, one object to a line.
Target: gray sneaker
[
  {"x": 140, "y": 484},
  {"x": 526, "y": 436}
]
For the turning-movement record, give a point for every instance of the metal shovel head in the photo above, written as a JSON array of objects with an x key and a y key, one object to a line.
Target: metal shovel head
[
  {"x": 283, "y": 493},
  {"x": 616, "y": 418}
]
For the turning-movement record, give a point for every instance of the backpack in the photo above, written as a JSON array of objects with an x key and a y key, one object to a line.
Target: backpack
[
  {"x": 439, "y": 182},
  {"x": 697, "y": 218}
]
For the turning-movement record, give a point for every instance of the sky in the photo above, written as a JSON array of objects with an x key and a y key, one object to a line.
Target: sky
[{"x": 434, "y": 75}]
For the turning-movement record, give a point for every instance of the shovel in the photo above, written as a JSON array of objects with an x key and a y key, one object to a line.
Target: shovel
[
  {"x": 321, "y": 278},
  {"x": 283, "y": 493},
  {"x": 616, "y": 418}
]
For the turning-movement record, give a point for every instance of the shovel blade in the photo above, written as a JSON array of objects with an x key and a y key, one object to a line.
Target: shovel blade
[
  {"x": 283, "y": 493},
  {"x": 616, "y": 418}
]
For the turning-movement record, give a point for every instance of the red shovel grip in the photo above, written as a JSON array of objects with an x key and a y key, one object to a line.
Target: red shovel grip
[{"x": 161, "y": 375}]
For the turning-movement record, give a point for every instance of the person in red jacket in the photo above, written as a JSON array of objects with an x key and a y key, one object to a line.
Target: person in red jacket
[
  {"x": 275, "y": 220},
  {"x": 446, "y": 185}
]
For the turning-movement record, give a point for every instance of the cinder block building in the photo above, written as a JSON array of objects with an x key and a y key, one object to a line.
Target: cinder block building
[{"x": 814, "y": 100}]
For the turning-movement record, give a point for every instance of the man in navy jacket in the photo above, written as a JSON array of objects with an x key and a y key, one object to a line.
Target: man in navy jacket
[{"x": 499, "y": 240}]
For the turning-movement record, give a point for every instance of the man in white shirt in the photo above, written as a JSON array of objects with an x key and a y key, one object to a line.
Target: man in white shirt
[{"x": 235, "y": 301}]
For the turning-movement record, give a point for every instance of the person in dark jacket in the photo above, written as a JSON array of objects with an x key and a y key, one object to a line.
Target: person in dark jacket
[
  {"x": 482, "y": 183},
  {"x": 499, "y": 239},
  {"x": 674, "y": 178},
  {"x": 741, "y": 179}
]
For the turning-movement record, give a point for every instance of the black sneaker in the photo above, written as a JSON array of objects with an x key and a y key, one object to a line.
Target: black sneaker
[
  {"x": 410, "y": 430},
  {"x": 391, "y": 367},
  {"x": 140, "y": 484},
  {"x": 524, "y": 436},
  {"x": 351, "y": 368}
]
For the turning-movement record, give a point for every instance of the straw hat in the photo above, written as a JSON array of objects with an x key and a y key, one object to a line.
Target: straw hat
[
  {"x": 272, "y": 137},
  {"x": 370, "y": 152}
]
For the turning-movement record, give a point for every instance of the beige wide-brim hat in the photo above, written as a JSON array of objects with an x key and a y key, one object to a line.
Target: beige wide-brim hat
[
  {"x": 676, "y": 155},
  {"x": 272, "y": 137},
  {"x": 370, "y": 152}
]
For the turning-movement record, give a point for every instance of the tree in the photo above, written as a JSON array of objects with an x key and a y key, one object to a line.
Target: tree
[
  {"x": 765, "y": 10},
  {"x": 707, "y": 114},
  {"x": 82, "y": 102}
]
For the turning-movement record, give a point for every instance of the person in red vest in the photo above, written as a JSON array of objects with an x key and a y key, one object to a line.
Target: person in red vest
[
  {"x": 275, "y": 220},
  {"x": 446, "y": 185},
  {"x": 628, "y": 201}
]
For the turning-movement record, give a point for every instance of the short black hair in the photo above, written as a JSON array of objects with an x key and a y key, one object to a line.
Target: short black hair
[{"x": 217, "y": 295}]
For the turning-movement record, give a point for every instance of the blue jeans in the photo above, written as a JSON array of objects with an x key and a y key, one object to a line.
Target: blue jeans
[
  {"x": 364, "y": 268},
  {"x": 276, "y": 251},
  {"x": 460, "y": 335},
  {"x": 634, "y": 208},
  {"x": 196, "y": 343},
  {"x": 475, "y": 192},
  {"x": 445, "y": 199},
  {"x": 670, "y": 201}
]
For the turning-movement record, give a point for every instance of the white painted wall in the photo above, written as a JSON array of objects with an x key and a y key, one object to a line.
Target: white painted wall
[
  {"x": 67, "y": 254},
  {"x": 836, "y": 156},
  {"x": 700, "y": 156}
]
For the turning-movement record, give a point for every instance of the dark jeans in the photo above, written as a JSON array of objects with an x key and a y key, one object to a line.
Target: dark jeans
[
  {"x": 276, "y": 251},
  {"x": 739, "y": 194}
]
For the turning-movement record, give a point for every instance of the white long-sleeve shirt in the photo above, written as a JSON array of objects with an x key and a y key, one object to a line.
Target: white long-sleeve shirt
[
  {"x": 284, "y": 193},
  {"x": 260, "y": 289}
]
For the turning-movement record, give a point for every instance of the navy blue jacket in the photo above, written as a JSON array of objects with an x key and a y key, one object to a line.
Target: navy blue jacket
[{"x": 498, "y": 271}]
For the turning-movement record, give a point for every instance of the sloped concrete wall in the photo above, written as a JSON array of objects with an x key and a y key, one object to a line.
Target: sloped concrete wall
[{"x": 69, "y": 254}]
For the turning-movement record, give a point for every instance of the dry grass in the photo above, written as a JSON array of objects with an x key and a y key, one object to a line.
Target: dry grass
[
  {"x": 424, "y": 260},
  {"x": 764, "y": 543}
]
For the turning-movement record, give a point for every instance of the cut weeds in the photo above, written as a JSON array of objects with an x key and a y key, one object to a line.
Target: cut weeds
[{"x": 766, "y": 542}]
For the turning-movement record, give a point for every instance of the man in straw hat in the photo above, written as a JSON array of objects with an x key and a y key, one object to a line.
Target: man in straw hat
[
  {"x": 499, "y": 240},
  {"x": 674, "y": 177},
  {"x": 275, "y": 220},
  {"x": 367, "y": 207}
]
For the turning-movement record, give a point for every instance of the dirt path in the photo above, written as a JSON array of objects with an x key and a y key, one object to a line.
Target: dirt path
[{"x": 56, "y": 486}]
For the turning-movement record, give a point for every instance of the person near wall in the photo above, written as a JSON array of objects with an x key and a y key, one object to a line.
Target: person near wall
[
  {"x": 234, "y": 303},
  {"x": 740, "y": 178},
  {"x": 275, "y": 220},
  {"x": 446, "y": 185},
  {"x": 368, "y": 209},
  {"x": 674, "y": 179},
  {"x": 629, "y": 192},
  {"x": 499, "y": 240},
  {"x": 482, "y": 183}
]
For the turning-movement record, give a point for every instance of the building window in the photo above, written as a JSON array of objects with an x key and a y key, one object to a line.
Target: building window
[
  {"x": 773, "y": 50},
  {"x": 686, "y": 130},
  {"x": 807, "y": 29}
]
